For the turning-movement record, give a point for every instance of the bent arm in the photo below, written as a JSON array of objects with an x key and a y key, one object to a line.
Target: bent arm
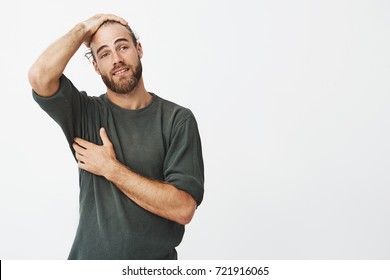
[
  {"x": 160, "y": 198},
  {"x": 44, "y": 75}
]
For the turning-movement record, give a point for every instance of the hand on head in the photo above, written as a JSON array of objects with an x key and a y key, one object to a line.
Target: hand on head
[{"x": 92, "y": 24}]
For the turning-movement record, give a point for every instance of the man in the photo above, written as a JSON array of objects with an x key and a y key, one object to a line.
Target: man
[{"x": 139, "y": 156}]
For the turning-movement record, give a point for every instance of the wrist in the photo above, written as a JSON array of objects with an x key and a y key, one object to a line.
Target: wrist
[
  {"x": 112, "y": 169},
  {"x": 82, "y": 31}
]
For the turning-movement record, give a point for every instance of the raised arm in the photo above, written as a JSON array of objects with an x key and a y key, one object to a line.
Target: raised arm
[{"x": 44, "y": 75}]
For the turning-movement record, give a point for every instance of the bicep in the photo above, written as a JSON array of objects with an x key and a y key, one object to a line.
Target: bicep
[{"x": 183, "y": 166}]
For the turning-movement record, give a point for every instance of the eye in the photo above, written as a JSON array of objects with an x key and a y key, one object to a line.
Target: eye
[
  {"x": 103, "y": 55},
  {"x": 123, "y": 48}
]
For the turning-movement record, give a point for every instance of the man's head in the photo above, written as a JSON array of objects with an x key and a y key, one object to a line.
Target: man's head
[{"x": 116, "y": 55}]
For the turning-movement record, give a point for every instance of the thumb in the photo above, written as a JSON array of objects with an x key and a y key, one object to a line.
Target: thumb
[{"x": 104, "y": 136}]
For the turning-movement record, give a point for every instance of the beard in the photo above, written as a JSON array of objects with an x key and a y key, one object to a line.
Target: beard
[{"x": 126, "y": 84}]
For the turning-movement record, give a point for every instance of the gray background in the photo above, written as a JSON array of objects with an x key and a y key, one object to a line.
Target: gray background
[{"x": 292, "y": 101}]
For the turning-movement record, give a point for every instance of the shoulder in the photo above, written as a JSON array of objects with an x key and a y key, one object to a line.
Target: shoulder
[{"x": 176, "y": 113}]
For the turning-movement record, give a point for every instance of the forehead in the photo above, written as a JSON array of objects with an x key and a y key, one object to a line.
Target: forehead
[{"x": 107, "y": 34}]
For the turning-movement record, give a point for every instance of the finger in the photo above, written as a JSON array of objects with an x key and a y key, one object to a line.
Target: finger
[
  {"x": 79, "y": 157},
  {"x": 83, "y": 143},
  {"x": 116, "y": 18},
  {"x": 81, "y": 165},
  {"x": 78, "y": 148},
  {"x": 104, "y": 136}
]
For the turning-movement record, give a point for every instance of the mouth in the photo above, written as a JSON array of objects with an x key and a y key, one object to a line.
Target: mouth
[{"x": 120, "y": 71}]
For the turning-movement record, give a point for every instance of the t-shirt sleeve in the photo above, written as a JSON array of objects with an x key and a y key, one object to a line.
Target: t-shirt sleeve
[
  {"x": 183, "y": 166},
  {"x": 64, "y": 107}
]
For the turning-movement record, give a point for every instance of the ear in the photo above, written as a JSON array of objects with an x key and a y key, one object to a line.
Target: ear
[
  {"x": 139, "y": 50},
  {"x": 96, "y": 67}
]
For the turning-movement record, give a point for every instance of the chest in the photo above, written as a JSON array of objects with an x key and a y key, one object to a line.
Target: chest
[{"x": 140, "y": 144}]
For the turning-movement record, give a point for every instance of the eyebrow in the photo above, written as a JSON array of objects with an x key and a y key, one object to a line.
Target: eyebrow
[{"x": 116, "y": 42}]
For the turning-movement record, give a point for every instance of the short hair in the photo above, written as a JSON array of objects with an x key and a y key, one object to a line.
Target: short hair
[{"x": 89, "y": 54}]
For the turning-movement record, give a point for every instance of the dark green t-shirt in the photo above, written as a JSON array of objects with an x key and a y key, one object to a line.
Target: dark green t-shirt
[{"x": 160, "y": 142}]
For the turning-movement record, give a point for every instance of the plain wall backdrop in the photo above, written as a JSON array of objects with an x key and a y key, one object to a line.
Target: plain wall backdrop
[{"x": 292, "y": 101}]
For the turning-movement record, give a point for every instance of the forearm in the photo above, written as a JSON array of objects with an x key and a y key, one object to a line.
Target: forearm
[
  {"x": 160, "y": 198},
  {"x": 45, "y": 73}
]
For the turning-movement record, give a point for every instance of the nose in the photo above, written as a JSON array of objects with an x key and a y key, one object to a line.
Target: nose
[{"x": 117, "y": 58}]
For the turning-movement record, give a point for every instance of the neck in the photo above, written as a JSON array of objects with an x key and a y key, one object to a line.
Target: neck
[{"x": 136, "y": 99}]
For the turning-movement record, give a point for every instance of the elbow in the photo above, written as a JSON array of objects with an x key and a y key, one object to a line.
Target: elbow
[
  {"x": 41, "y": 83},
  {"x": 184, "y": 219},
  {"x": 37, "y": 78},
  {"x": 187, "y": 213},
  {"x": 33, "y": 77}
]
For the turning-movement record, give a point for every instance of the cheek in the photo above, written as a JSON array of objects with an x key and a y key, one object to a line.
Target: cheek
[{"x": 100, "y": 68}]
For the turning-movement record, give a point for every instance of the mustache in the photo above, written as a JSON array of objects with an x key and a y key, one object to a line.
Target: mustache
[{"x": 121, "y": 66}]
